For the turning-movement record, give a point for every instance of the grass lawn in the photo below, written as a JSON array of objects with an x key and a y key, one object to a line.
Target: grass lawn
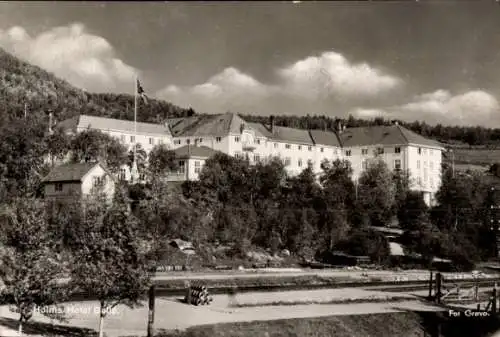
[{"x": 406, "y": 324}]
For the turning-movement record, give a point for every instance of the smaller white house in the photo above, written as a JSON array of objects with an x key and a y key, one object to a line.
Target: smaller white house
[
  {"x": 190, "y": 160},
  {"x": 67, "y": 181}
]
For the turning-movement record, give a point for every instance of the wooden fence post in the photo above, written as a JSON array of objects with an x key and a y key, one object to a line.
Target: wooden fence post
[
  {"x": 430, "y": 285},
  {"x": 494, "y": 301},
  {"x": 151, "y": 316},
  {"x": 438, "y": 287}
]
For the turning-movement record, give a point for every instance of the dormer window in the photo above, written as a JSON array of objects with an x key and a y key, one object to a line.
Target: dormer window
[
  {"x": 218, "y": 139},
  {"x": 397, "y": 149},
  {"x": 287, "y": 146}
]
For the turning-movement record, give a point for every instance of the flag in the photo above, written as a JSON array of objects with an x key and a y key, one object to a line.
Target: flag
[{"x": 141, "y": 93}]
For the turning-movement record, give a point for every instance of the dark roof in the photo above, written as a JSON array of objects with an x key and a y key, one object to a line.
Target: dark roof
[
  {"x": 189, "y": 151},
  {"x": 104, "y": 123},
  {"x": 325, "y": 138},
  {"x": 383, "y": 135},
  {"x": 214, "y": 125},
  {"x": 69, "y": 172}
]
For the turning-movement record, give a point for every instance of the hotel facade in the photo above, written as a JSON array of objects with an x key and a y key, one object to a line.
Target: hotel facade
[{"x": 195, "y": 139}]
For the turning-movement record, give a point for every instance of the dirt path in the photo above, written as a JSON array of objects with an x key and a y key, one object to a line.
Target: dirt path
[{"x": 172, "y": 314}]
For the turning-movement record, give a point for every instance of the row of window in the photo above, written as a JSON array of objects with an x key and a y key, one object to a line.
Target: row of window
[
  {"x": 424, "y": 151},
  {"x": 123, "y": 138},
  {"x": 379, "y": 150},
  {"x": 431, "y": 164}
]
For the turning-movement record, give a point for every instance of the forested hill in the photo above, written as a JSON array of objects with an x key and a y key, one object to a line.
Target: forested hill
[{"x": 22, "y": 83}]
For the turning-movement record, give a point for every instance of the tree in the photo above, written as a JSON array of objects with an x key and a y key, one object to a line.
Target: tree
[
  {"x": 377, "y": 192},
  {"x": 111, "y": 259},
  {"x": 161, "y": 160},
  {"x": 30, "y": 266},
  {"x": 140, "y": 155},
  {"x": 92, "y": 145},
  {"x": 411, "y": 210},
  {"x": 338, "y": 210}
]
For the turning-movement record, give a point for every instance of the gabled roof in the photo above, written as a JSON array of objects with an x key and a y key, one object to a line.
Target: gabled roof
[
  {"x": 325, "y": 138},
  {"x": 199, "y": 126},
  {"x": 383, "y": 135},
  {"x": 69, "y": 172},
  {"x": 189, "y": 151},
  {"x": 102, "y": 123},
  {"x": 282, "y": 134}
]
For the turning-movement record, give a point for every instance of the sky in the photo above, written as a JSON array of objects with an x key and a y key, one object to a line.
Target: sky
[{"x": 434, "y": 61}]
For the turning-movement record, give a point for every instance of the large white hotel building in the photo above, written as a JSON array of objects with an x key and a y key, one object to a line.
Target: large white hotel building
[{"x": 196, "y": 138}]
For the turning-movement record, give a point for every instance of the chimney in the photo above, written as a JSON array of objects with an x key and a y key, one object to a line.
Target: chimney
[{"x": 271, "y": 121}]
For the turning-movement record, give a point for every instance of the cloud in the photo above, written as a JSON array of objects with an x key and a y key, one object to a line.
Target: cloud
[
  {"x": 474, "y": 107},
  {"x": 229, "y": 90},
  {"x": 70, "y": 52},
  {"x": 332, "y": 74},
  {"x": 324, "y": 77}
]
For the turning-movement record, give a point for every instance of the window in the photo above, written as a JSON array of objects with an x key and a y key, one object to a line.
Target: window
[
  {"x": 218, "y": 139},
  {"x": 122, "y": 137},
  {"x": 365, "y": 164},
  {"x": 425, "y": 163},
  {"x": 310, "y": 163},
  {"x": 188, "y": 141},
  {"x": 239, "y": 155},
  {"x": 425, "y": 175},
  {"x": 200, "y": 140},
  {"x": 59, "y": 187},
  {"x": 151, "y": 141},
  {"x": 197, "y": 167},
  {"x": 425, "y": 151},
  {"x": 419, "y": 150},
  {"x": 132, "y": 139},
  {"x": 418, "y": 164},
  {"x": 431, "y": 180},
  {"x": 321, "y": 150},
  {"x": 397, "y": 150},
  {"x": 256, "y": 158},
  {"x": 397, "y": 164},
  {"x": 380, "y": 150},
  {"x": 256, "y": 141},
  {"x": 142, "y": 176},
  {"x": 431, "y": 165},
  {"x": 275, "y": 145},
  {"x": 182, "y": 167},
  {"x": 287, "y": 161},
  {"x": 419, "y": 181},
  {"x": 288, "y": 146},
  {"x": 348, "y": 153},
  {"x": 177, "y": 142},
  {"x": 99, "y": 181},
  {"x": 237, "y": 139},
  {"x": 364, "y": 152},
  {"x": 123, "y": 174},
  {"x": 310, "y": 148},
  {"x": 299, "y": 147},
  {"x": 299, "y": 163}
]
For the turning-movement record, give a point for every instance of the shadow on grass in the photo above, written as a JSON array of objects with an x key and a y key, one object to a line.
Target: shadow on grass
[
  {"x": 47, "y": 329},
  {"x": 441, "y": 324}
]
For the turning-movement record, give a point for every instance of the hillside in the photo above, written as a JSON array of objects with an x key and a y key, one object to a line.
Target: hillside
[{"x": 22, "y": 83}]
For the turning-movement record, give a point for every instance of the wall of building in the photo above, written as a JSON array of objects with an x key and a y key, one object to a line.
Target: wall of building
[
  {"x": 88, "y": 187},
  {"x": 69, "y": 190}
]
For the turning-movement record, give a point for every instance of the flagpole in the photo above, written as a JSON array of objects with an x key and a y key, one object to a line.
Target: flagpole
[{"x": 135, "y": 121}]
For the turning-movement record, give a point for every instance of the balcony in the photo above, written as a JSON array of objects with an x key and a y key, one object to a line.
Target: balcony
[{"x": 248, "y": 146}]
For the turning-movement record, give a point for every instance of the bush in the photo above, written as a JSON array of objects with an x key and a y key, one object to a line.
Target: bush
[{"x": 366, "y": 242}]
